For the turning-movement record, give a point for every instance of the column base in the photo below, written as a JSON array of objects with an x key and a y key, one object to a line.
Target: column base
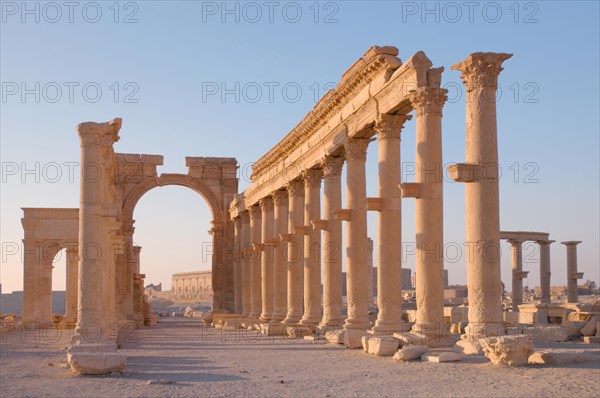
[
  {"x": 387, "y": 328},
  {"x": 95, "y": 359},
  {"x": 360, "y": 324},
  {"x": 292, "y": 320},
  {"x": 310, "y": 322}
]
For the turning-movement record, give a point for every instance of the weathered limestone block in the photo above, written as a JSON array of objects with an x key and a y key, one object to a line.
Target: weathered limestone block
[
  {"x": 409, "y": 339},
  {"x": 590, "y": 327},
  {"x": 574, "y": 328},
  {"x": 410, "y": 352},
  {"x": 507, "y": 350},
  {"x": 443, "y": 357},
  {"x": 468, "y": 346},
  {"x": 189, "y": 312},
  {"x": 382, "y": 346},
  {"x": 548, "y": 333},
  {"x": 298, "y": 331},
  {"x": 353, "y": 337},
  {"x": 364, "y": 340},
  {"x": 591, "y": 339},
  {"x": 335, "y": 336},
  {"x": 95, "y": 359},
  {"x": 559, "y": 358}
]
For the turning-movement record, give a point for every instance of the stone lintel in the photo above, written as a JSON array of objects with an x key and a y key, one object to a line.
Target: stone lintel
[{"x": 522, "y": 236}]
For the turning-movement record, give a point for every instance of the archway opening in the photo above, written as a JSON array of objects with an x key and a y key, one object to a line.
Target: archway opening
[{"x": 172, "y": 228}]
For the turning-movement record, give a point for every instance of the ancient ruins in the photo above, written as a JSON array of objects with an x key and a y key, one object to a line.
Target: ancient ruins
[{"x": 279, "y": 241}]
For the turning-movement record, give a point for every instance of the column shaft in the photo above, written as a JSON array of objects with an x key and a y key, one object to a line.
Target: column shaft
[
  {"x": 389, "y": 225},
  {"x": 255, "y": 263},
  {"x": 71, "y": 287},
  {"x": 429, "y": 228},
  {"x": 312, "y": 248},
  {"x": 295, "y": 254},
  {"x": 480, "y": 74},
  {"x": 266, "y": 206},
  {"x": 517, "y": 268},
  {"x": 280, "y": 200},
  {"x": 246, "y": 253},
  {"x": 356, "y": 235},
  {"x": 572, "y": 273},
  {"x": 545, "y": 270},
  {"x": 237, "y": 266},
  {"x": 332, "y": 242}
]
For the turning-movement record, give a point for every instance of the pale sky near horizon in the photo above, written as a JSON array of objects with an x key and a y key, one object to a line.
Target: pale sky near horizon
[{"x": 153, "y": 63}]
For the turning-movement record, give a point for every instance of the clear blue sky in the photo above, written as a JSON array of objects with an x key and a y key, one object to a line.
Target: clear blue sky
[{"x": 162, "y": 63}]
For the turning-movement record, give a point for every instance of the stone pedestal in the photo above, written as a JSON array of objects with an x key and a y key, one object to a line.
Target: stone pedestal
[
  {"x": 572, "y": 275},
  {"x": 312, "y": 248},
  {"x": 356, "y": 236},
  {"x": 481, "y": 174}
]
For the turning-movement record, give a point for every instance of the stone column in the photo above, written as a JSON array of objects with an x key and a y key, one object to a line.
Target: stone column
[
  {"x": 516, "y": 248},
  {"x": 480, "y": 75},
  {"x": 94, "y": 339},
  {"x": 545, "y": 270},
  {"x": 389, "y": 225},
  {"x": 266, "y": 207},
  {"x": 312, "y": 248},
  {"x": 137, "y": 292},
  {"x": 255, "y": 262},
  {"x": 130, "y": 264},
  {"x": 332, "y": 242},
  {"x": 246, "y": 254},
  {"x": 429, "y": 229},
  {"x": 572, "y": 274},
  {"x": 295, "y": 254},
  {"x": 31, "y": 260},
  {"x": 237, "y": 266},
  {"x": 71, "y": 288},
  {"x": 356, "y": 235},
  {"x": 280, "y": 201}
]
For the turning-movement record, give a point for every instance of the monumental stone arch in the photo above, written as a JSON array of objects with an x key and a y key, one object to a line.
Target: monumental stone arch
[{"x": 214, "y": 179}]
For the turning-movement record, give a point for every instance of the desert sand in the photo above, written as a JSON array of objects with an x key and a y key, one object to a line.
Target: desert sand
[{"x": 182, "y": 358}]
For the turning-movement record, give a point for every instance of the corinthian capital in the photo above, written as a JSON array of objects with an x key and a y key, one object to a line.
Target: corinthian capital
[
  {"x": 92, "y": 133},
  {"x": 280, "y": 197},
  {"x": 312, "y": 177},
  {"x": 295, "y": 188},
  {"x": 356, "y": 149},
  {"x": 481, "y": 69},
  {"x": 428, "y": 100},
  {"x": 255, "y": 213},
  {"x": 266, "y": 204},
  {"x": 390, "y": 126},
  {"x": 332, "y": 166}
]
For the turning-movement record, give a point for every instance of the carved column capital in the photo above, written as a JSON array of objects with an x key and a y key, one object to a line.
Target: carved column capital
[
  {"x": 266, "y": 203},
  {"x": 481, "y": 69},
  {"x": 280, "y": 197},
  {"x": 428, "y": 100},
  {"x": 545, "y": 242},
  {"x": 356, "y": 149},
  {"x": 390, "y": 126},
  {"x": 255, "y": 213},
  {"x": 245, "y": 217},
  {"x": 92, "y": 133},
  {"x": 295, "y": 188},
  {"x": 312, "y": 177},
  {"x": 332, "y": 166}
]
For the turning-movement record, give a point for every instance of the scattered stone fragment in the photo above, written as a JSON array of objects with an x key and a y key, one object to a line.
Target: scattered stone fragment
[
  {"x": 335, "y": 336},
  {"x": 382, "y": 346},
  {"x": 590, "y": 327},
  {"x": 448, "y": 356},
  {"x": 507, "y": 350},
  {"x": 353, "y": 338},
  {"x": 559, "y": 358},
  {"x": 591, "y": 339},
  {"x": 410, "y": 352}
]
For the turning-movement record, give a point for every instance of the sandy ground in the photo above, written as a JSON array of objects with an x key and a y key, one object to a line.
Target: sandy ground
[{"x": 200, "y": 361}]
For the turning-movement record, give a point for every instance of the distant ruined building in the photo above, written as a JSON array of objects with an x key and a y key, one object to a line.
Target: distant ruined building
[{"x": 192, "y": 286}]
